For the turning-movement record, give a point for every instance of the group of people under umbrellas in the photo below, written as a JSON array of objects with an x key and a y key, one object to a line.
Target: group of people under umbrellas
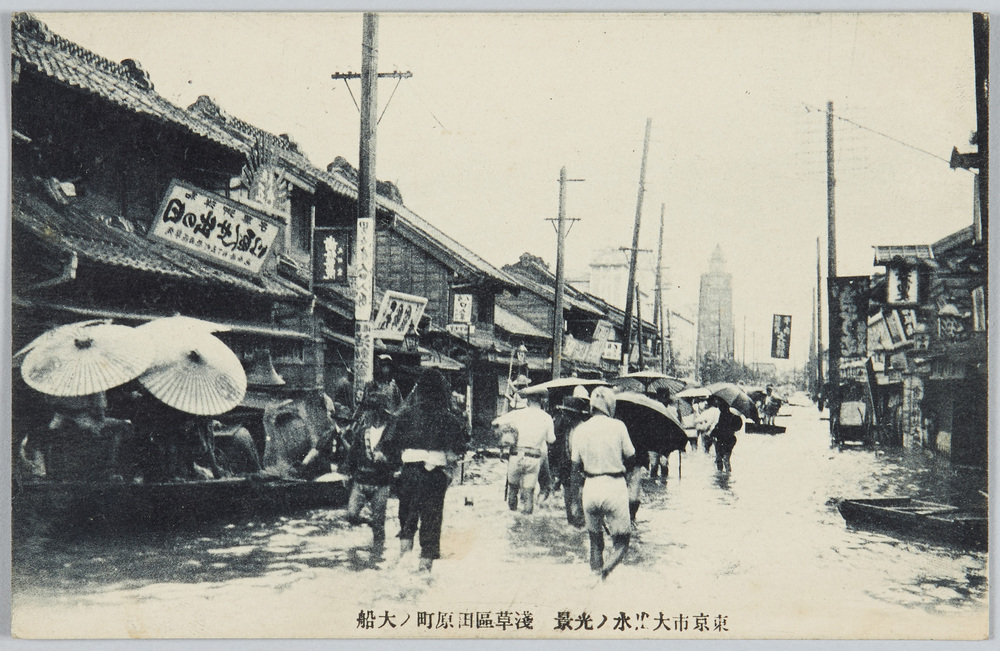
[{"x": 599, "y": 443}]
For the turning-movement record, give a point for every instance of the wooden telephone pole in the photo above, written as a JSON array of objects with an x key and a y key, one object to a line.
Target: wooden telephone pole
[
  {"x": 831, "y": 273},
  {"x": 819, "y": 327},
  {"x": 627, "y": 328},
  {"x": 364, "y": 243},
  {"x": 557, "y": 311},
  {"x": 658, "y": 307}
]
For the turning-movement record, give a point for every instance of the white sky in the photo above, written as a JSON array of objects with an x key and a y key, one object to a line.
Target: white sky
[{"x": 499, "y": 102}]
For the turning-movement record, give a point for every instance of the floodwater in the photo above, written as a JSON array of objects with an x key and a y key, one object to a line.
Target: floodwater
[{"x": 758, "y": 552}]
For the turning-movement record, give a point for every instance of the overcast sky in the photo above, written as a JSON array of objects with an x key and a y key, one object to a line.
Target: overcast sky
[{"x": 499, "y": 102}]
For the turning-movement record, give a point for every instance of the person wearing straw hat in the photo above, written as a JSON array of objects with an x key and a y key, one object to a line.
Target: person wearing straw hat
[{"x": 601, "y": 451}]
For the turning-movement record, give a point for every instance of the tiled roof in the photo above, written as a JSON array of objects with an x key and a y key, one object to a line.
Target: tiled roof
[
  {"x": 458, "y": 252},
  {"x": 54, "y": 56},
  {"x": 908, "y": 252},
  {"x": 85, "y": 231},
  {"x": 512, "y": 323},
  {"x": 125, "y": 85},
  {"x": 549, "y": 292}
]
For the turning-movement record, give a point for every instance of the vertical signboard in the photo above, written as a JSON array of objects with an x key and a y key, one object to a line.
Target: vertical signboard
[
  {"x": 332, "y": 254},
  {"x": 850, "y": 314},
  {"x": 902, "y": 285},
  {"x": 462, "y": 312},
  {"x": 781, "y": 335},
  {"x": 364, "y": 279}
]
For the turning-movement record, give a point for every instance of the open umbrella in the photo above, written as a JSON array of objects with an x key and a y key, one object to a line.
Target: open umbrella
[
  {"x": 736, "y": 398},
  {"x": 651, "y": 426},
  {"x": 83, "y": 358},
  {"x": 648, "y": 382},
  {"x": 694, "y": 392},
  {"x": 561, "y": 383},
  {"x": 199, "y": 375},
  {"x": 180, "y": 326}
]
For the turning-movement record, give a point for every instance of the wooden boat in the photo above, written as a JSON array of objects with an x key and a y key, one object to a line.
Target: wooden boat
[
  {"x": 751, "y": 427},
  {"x": 918, "y": 518},
  {"x": 74, "y": 506}
]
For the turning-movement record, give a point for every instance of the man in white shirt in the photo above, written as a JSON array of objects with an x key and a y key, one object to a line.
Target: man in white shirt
[
  {"x": 528, "y": 432},
  {"x": 601, "y": 450}
]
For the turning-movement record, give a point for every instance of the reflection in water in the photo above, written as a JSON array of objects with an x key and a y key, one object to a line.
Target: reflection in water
[{"x": 769, "y": 528}]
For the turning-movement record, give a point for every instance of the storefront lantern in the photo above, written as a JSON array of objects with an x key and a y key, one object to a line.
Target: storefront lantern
[{"x": 411, "y": 340}]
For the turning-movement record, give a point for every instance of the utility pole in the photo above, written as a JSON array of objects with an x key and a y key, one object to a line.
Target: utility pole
[
  {"x": 638, "y": 318},
  {"x": 812, "y": 344},
  {"x": 819, "y": 328},
  {"x": 364, "y": 243},
  {"x": 364, "y": 261},
  {"x": 744, "y": 341},
  {"x": 831, "y": 274},
  {"x": 627, "y": 334},
  {"x": 557, "y": 315},
  {"x": 658, "y": 307}
]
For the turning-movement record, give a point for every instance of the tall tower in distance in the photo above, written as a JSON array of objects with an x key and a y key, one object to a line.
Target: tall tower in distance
[{"x": 715, "y": 311}]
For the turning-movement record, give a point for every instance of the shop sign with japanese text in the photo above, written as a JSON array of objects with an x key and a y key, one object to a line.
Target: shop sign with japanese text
[
  {"x": 781, "y": 334},
  {"x": 214, "y": 228},
  {"x": 397, "y": 313},
  {"x": 462, "y": 309},
  {"x": 364, "y": 281}
]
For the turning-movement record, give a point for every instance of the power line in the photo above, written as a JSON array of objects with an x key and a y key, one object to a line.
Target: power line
[{"x": 879, "y": 133}]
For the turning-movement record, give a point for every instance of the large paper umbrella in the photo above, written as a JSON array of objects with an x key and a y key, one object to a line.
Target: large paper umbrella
[
  {"x": 200, "y": 376},
  {"x": 79, "y": 359},
  {"x": 179, "y": 326}
]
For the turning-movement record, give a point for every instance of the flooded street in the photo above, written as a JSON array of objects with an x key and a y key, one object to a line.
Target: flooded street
[{"x": 762, "y": 551}]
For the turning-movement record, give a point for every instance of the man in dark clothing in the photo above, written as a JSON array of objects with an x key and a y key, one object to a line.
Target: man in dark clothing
[
  {"x": 572, "y": 412},
  {"x": 426, "y": 438},
  {"x": 724, "y": 433},
  {"x": 371, "y": 471}
]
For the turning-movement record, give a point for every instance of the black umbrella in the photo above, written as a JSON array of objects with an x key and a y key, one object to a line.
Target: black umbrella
[
  {"x": 648, "y": 382},
  {"x": 736, "y": 398},
  {"x": 651, "y": 426}
]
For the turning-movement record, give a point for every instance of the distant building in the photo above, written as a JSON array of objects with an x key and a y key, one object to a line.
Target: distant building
[
  {"x": 715, "y": 311},
  {"x": 609, "y": 278}
]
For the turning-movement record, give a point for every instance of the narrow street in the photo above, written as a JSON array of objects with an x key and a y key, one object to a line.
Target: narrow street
[{"x": 762, "y": 551}]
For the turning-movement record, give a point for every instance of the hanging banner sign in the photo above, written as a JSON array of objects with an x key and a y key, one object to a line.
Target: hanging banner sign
[
  {"x": 214, "y": 228},
  {"x": 397, "y": 313},
  {"x": 331, "y": 255},
  {"x": 462, "y": 312},
  {"x": 850, "y": 314},
  {"x": 364, "y": 280},
  {"x": 902, "y": 285},
  {"x": 781, "y": 335}
]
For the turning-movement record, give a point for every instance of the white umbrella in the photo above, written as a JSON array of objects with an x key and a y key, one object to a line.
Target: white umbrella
[
  {"x": 179, "y": 326},
  {"x": 694, "y": 392},
  {"x": 84, "y": 358},
  {"x": 199, "y": 375},
  {"x": 559, "y": 383}
]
